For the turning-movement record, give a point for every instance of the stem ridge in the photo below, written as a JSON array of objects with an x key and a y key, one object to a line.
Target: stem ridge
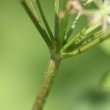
[{"x": 47, "y": 84}]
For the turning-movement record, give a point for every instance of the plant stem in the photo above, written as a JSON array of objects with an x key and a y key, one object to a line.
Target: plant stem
[
  {"x": 86, "y": 47},
  {"x": 29, "y": 7},
  {"x": 45, "y": 20},
  {"x": 47, "y": 84}
]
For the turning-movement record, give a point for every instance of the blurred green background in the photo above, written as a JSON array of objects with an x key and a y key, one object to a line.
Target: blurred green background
[{"x": 24, "y": 57}]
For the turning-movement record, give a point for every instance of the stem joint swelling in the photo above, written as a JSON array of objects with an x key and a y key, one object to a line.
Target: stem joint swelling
[{"x": 56, "y": 57}]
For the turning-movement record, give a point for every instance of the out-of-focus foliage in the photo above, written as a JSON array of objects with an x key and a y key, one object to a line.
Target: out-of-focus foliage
[
  {"x": 23, "y": 59},
  {"x": 105, "y": 82},
  {"x": 106, "y": 46}
]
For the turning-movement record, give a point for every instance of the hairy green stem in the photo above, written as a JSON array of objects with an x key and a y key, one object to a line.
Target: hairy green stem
[
  {"x": 47, "y": 84},
  {"x": 86, "y": 47}
]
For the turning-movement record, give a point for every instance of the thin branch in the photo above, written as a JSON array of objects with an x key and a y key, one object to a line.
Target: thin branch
[
  {"x": 86, "y": 47},
  {"x": 57, "y": 22},
  {"x": 74, "y": 39},
  {"x": 63, "y": 27},
  {"x": 80, "y": 36},
  {"x": 44, "y": 20},
  {"x": 71, "y": 29},
  {"x": 29, "y": 7}
]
